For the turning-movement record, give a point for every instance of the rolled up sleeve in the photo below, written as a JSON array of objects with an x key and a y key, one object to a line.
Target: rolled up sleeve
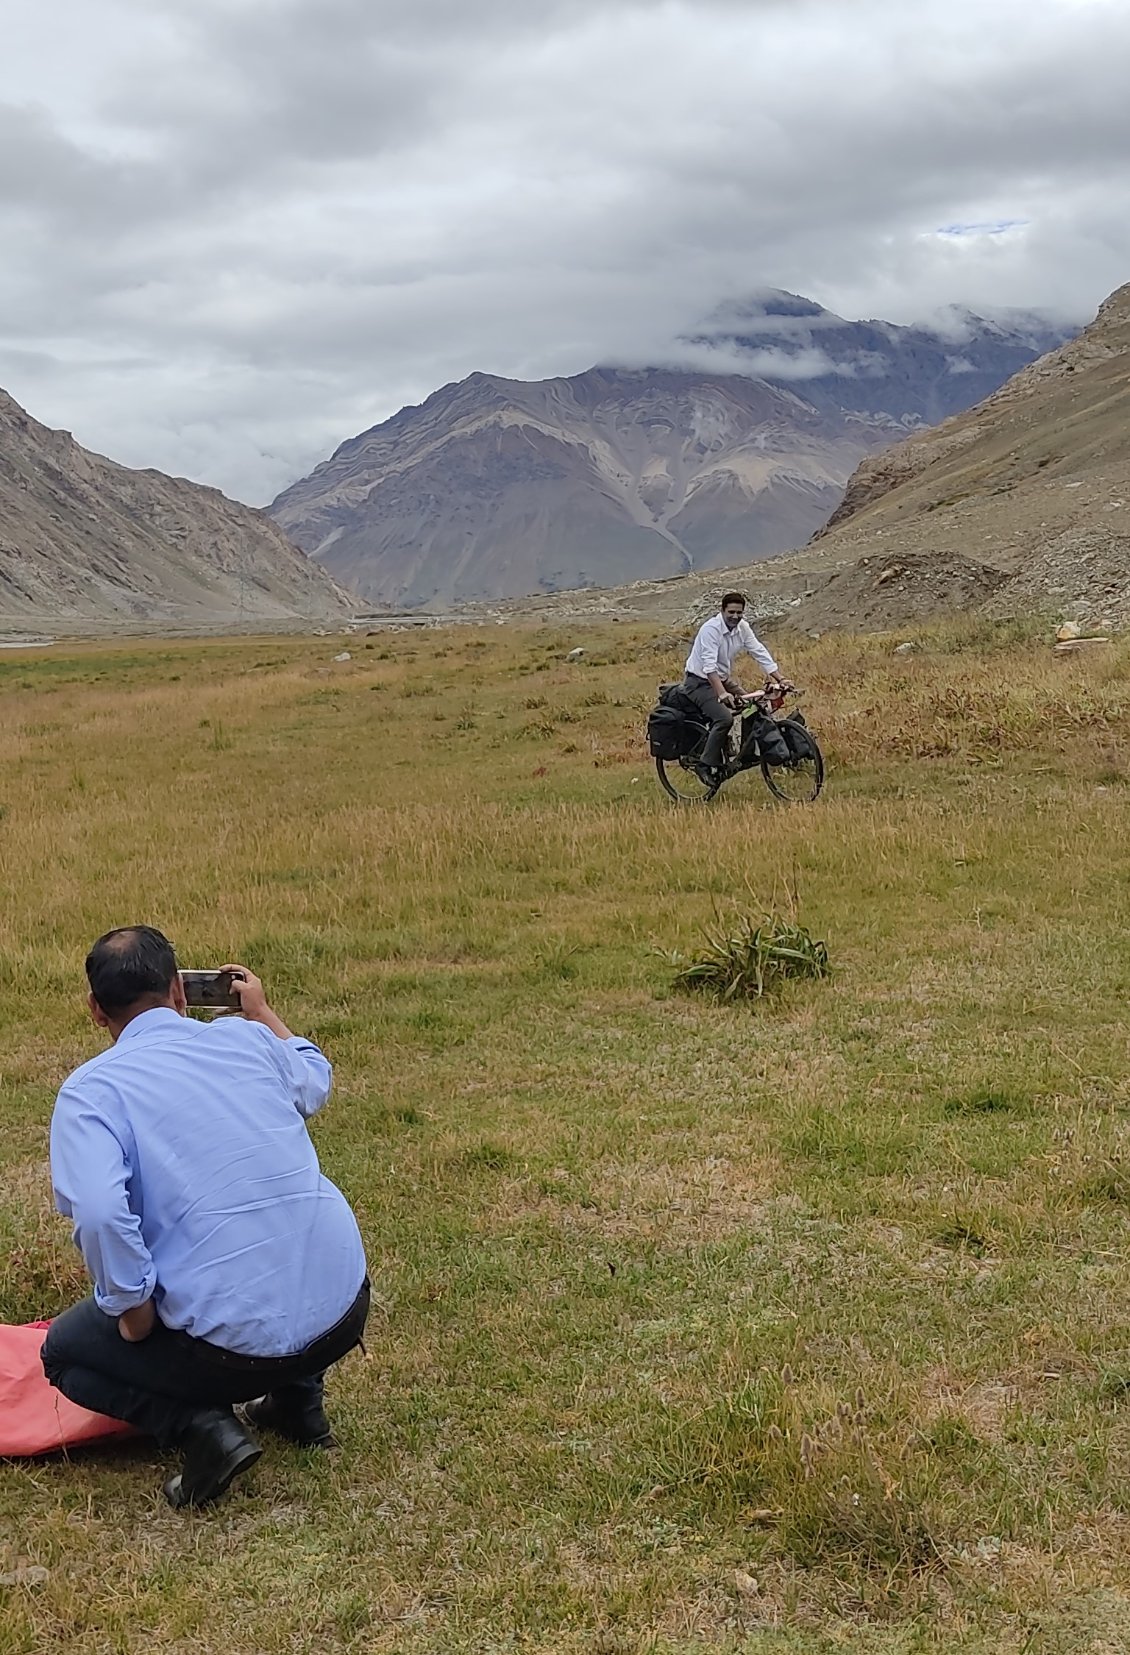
[
  {"x": 90, "y": 1175},
  {"x": 757, "y": 649},
  {"x": 311, "y": 1075}
]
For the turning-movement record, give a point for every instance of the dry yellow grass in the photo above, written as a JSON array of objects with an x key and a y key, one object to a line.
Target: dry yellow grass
[{"x": 696, "y": 1327}]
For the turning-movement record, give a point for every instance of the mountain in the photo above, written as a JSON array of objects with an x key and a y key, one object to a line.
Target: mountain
[
  {"x": 84, "y": 539},
  {"x": 917, "y": 375},
  {"x": 1034, "y": 483},
  {"x": 496, "y": 487}
]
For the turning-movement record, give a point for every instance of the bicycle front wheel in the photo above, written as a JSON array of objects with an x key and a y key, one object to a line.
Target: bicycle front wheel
[
  {"x": 679, "y": 779},
  {"x": 799, "y": 781}
]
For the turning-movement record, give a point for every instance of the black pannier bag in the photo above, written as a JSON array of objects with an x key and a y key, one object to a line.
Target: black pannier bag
[
  {"x": 765, "y": 735},
  {"x": 669, "y": 735},
  {"x": 796, "y": 737}
]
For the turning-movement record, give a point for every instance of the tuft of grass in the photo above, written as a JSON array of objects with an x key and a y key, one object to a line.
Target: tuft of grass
[
  {"x": 963, "y": 1235},
  {"x": 985, "y": 1100},
  {"x": 827, "y": 1480},
  {"x": 489, "y": 1156},
  {"x": 749, "y": 960}
]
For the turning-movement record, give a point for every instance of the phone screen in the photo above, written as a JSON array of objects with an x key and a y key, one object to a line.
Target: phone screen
[{"x": 210, "y": 990}]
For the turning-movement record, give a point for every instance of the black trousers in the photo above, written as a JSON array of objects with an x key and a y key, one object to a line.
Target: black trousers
[
  {"x": 720, "y": 718},
  {"x": 161, "y": 1383}
]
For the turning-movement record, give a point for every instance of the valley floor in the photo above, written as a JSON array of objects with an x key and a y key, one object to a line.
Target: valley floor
[{"x": 798, "y": 1328}]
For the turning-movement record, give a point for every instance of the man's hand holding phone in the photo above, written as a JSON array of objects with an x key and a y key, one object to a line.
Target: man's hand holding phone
[{"x": 252, "y": 997}]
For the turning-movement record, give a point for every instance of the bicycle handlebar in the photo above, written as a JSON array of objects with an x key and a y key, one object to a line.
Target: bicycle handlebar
[{"x": 753, "y": 697}]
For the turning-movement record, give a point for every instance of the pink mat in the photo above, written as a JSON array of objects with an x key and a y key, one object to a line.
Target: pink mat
[{"x": 35, "y": 1418}]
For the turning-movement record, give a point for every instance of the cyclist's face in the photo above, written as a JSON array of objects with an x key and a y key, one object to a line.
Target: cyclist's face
[{"x": 732, "y": 614}]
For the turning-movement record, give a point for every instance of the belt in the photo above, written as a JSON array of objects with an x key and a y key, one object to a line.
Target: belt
[{"x": 326, "y": 1349}]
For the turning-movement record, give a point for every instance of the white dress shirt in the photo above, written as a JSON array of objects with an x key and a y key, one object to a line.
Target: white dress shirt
[{"x": 716, "y": 647}]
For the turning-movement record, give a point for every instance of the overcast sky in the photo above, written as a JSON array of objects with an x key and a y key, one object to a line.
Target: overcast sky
[{"x": 234, "y": 233}]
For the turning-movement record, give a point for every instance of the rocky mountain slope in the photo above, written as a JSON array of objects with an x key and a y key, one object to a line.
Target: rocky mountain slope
[
  {"x": 495, "y": 487},
  {"x": 85, "y": 540},
  {"x": 1033, "y": 483}
]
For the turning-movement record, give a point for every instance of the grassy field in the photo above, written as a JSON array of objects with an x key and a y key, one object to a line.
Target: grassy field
[{"x": 796, "y": 1328}]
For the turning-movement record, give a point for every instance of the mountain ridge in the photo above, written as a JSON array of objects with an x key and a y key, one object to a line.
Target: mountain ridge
[
  {"x": 1032, "y": 485},
  {"x": 494, "y": 487},
  {"x": 83, "y": 539},
  {"x": 1104, "y": 343}
]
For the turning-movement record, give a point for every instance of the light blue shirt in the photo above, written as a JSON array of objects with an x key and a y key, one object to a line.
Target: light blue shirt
[{"x": 182, "y": 1155}]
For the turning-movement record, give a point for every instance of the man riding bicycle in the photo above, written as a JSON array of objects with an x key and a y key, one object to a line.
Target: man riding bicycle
[{"x": 708, "y": 682}]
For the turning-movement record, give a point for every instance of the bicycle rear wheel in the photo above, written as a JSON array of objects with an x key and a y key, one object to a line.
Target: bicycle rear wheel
[
  {"x": 681, "y": 781},
  {"x": 800, "y": 781}
]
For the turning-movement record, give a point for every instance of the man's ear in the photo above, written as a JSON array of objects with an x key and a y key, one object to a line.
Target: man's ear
[
  {"x": 180, "y": 999},
  {"x": 97, "y": 1013}
]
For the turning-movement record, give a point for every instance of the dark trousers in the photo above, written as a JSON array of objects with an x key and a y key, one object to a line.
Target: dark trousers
[
  {"x": 161, "y": 1383},
  {"x": 720, "y": 718}
]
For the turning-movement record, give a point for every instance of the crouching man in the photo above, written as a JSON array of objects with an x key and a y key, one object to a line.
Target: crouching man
[{"x": 226, "y": 1268}]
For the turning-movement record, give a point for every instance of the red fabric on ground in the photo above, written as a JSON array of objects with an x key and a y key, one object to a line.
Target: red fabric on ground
[{"x": 35, "y": 1418}]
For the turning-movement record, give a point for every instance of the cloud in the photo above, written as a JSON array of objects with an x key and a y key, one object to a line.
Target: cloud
[
  {"x": 725, "y": 357},
  {"x": 239, "y": 231},
  {"x": 1000, "y": 229}
]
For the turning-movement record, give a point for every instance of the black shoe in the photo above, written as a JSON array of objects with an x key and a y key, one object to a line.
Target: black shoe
[
  {"x": 216, "y": 1449},
  {"x": 708, "y": 773},
  {"x": 308, "y": 1427}
]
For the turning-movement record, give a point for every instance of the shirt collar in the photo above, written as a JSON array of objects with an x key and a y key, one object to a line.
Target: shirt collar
[{"x": 149, "y": 1022}]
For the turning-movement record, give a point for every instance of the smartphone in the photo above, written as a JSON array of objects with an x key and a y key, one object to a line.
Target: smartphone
[{"x": 210, "y": 990}]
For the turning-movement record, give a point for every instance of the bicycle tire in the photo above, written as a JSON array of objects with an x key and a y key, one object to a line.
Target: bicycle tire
[
  {"x": 806, "y": 774},
  {"x": 681, "y": 783}
]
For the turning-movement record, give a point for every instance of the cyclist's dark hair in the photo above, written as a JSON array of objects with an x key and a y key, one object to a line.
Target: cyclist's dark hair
[
  {"x": 133, "y": 964},
  {"x": 733, "y": 597}
]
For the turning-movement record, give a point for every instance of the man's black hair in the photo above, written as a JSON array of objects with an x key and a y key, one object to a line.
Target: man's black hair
[
  {"x": 732, "y": 597},
  {"x": 131, "y": 964}
]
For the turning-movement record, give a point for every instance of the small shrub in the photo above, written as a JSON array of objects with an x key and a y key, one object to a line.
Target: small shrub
[{"x": 749, "y": 961}]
